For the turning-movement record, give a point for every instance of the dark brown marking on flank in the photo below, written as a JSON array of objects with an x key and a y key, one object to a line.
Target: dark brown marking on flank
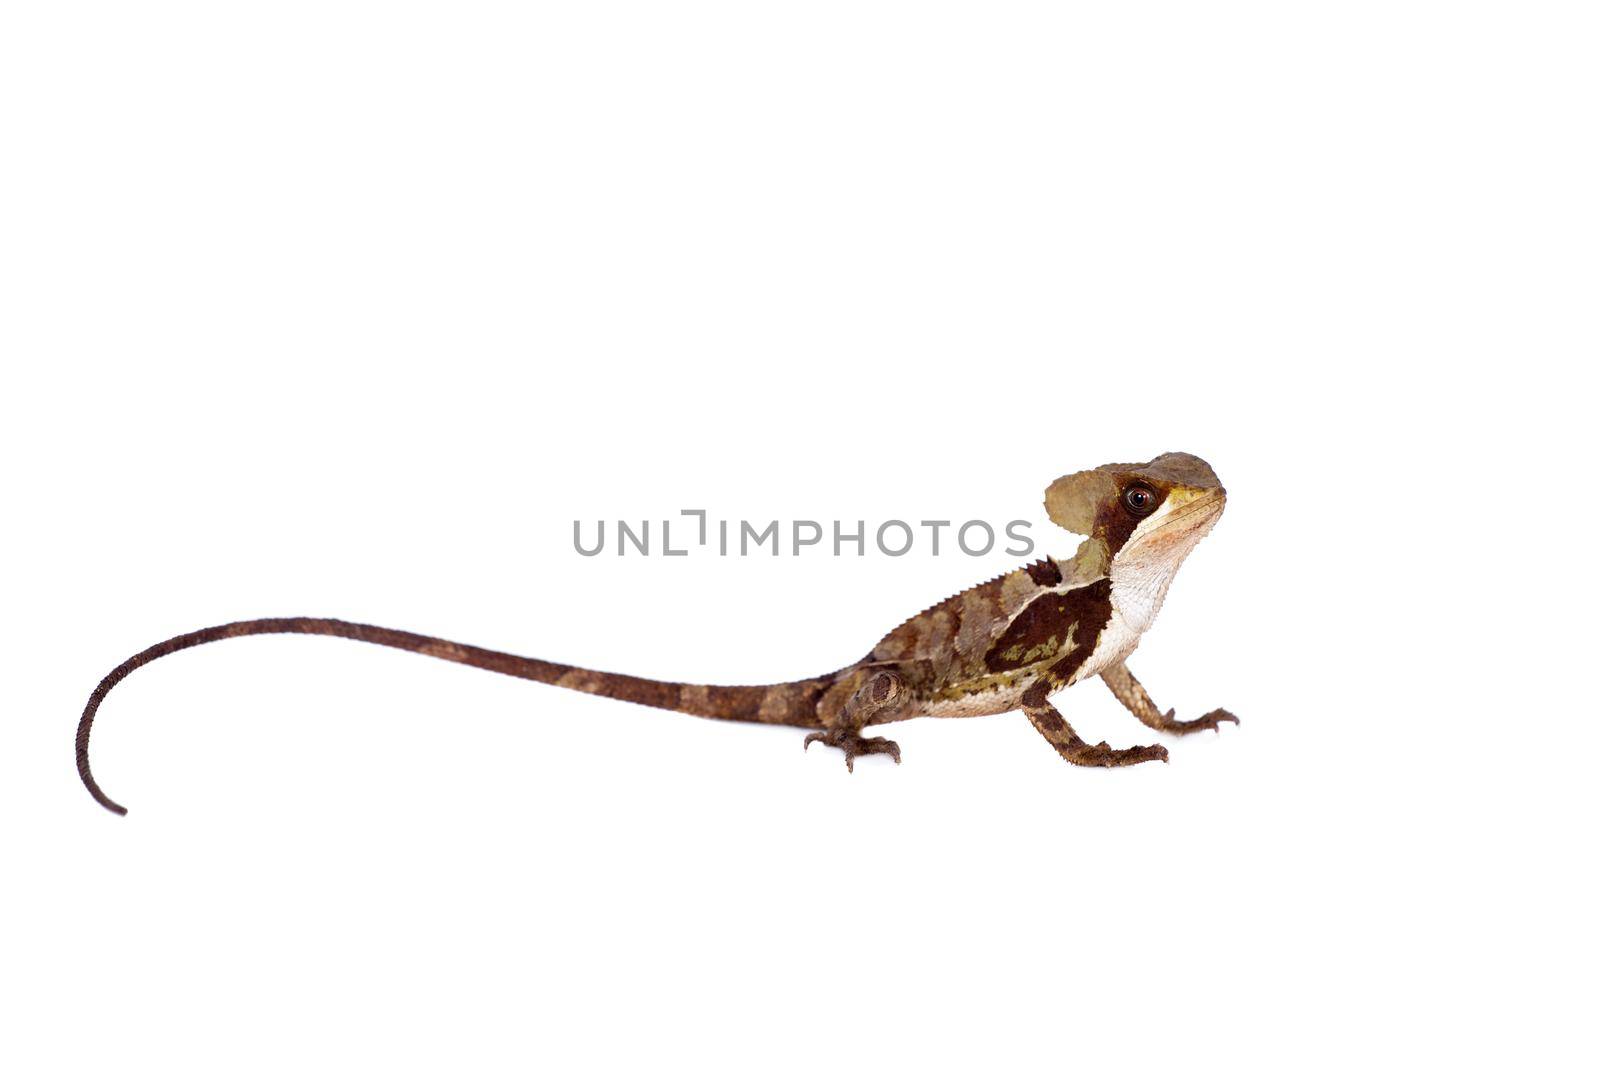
[
  {"x": 1044, "y": 572},
  {"x": 1090, "y": 606},
  {"x": 1039, "y": 632}
]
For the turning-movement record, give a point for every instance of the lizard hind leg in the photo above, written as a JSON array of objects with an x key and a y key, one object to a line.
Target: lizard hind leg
[{"x": 878, "y": 693}]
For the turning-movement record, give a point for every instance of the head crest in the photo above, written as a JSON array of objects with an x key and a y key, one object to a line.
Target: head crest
[{"x": 1073, "y": 501}]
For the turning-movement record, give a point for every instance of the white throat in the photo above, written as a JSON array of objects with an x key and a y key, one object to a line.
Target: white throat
[
  {"x": 1138, "y": 589},
  {"x": 1141, "y": 573}
]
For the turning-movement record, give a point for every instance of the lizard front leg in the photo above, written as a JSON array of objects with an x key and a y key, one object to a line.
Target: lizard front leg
[
  {"x": 1074, "y": 749},
  {"x": 852, "y": 704},
  {"x": 1121, "y": 681}
]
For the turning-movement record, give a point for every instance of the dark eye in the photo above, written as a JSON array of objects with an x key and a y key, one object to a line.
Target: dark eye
[{"x": 1138, "y": 499}]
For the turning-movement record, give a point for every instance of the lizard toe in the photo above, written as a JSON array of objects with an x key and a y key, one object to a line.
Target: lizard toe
[
  {"x": 1212, "y": 720},
  {"x": 853, "y": 744}
]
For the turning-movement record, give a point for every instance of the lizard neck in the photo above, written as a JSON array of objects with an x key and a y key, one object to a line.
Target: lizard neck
[
  {"x": 1143, "y": 569},
  {"x": 1138, "y": 591}
]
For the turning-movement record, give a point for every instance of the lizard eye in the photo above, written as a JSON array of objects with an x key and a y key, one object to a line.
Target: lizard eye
[{"x": 1138, "y": 500}]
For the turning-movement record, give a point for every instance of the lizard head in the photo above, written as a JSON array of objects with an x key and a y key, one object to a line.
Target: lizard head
[{"x": 1148, "y": 515}]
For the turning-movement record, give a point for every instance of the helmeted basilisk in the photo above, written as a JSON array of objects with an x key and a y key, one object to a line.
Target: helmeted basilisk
[{"x": 1005, "y": 645}]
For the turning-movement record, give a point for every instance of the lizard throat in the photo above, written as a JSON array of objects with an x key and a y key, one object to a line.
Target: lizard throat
[{"x": 1141, "y": 573}]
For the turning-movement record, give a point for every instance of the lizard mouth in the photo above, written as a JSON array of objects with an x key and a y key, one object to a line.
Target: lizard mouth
[{"x": 1203, "y": 510}]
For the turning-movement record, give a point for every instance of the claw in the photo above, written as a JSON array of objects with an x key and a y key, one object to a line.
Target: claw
[
  {"x": 853, "y": 745},
  {"x": 1211, "y": 720}
]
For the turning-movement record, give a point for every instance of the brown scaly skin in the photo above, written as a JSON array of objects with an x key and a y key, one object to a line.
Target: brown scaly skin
[
  {"x": 1120, "y": 680},
  {"x": 1005, "y": 645}
]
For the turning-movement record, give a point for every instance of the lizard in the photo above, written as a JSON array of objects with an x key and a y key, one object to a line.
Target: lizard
[{"x": 1005, "y": 645}]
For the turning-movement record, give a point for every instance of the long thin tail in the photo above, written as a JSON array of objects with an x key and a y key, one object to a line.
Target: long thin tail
[{"x": 791, "y": 704}]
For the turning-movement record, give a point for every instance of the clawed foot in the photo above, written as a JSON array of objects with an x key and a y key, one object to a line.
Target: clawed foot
[
  {"x": 853, "y": 745},
  {"x": 1211, "y": 720},
  {"x": 1103, "y": 755}
]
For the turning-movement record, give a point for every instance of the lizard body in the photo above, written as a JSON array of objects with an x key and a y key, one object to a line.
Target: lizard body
[{"x": 1004, "y": 645}]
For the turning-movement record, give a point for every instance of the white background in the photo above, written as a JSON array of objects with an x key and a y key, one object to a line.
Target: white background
[{"x": 350, "y": 309}]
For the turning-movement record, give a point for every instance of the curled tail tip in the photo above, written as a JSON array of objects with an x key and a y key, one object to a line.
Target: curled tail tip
[
  {"x": 99, "y": 794},
  {"x": 104, "y": 801},
  {"x": 87, "y": 777}
]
